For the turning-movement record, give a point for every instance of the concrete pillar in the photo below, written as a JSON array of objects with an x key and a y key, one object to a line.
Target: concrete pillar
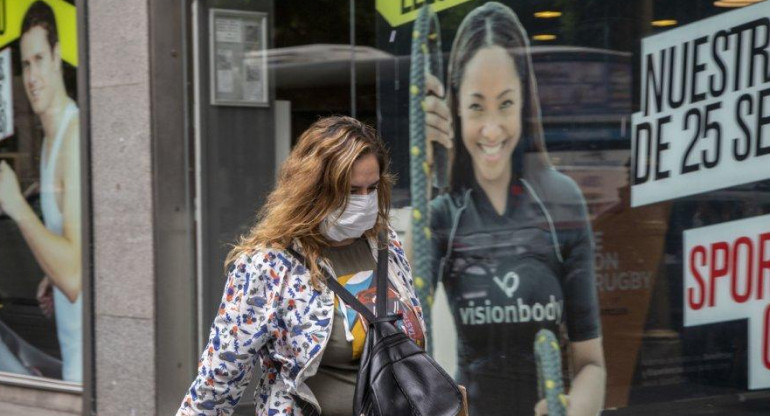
[{"x": 122, "y": 199}]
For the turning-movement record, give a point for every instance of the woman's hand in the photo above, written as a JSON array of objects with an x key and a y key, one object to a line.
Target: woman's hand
[
  {"x": 541, "y": 408},
  {"x": 438, "y": 119},
  {"x": 586, "y": 397},
  {"x": 588, "y": 386}
]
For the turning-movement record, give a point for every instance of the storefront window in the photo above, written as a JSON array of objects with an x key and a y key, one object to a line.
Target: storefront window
[
  {"x": 40, "y": 193},
  {"x": 593, "y": 168}
]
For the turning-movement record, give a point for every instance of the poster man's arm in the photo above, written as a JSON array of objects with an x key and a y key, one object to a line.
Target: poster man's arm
[{"x": 60, "y": 256}]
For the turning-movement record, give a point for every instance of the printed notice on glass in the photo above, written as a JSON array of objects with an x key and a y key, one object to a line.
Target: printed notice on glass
[
  {"x": 726, "y": 273},
  {"x": 704, "y": 119},
  {"x": 6, "y": 95},
  {"x": 238, "y": 58},
  {"x": 228, "y": 30}
]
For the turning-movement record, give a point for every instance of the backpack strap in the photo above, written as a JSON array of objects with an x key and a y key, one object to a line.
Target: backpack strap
[
  {"x": 382, "y": 275},
  {"x": 346, "y": 296}
]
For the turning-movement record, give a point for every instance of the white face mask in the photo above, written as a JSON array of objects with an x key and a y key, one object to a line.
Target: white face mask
[{"x": 359, "y": 216}]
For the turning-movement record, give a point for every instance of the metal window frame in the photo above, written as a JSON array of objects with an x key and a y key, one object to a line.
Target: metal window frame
[{"x": 213, "y": 13}]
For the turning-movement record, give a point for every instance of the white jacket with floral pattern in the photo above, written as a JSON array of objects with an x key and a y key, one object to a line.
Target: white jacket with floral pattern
[{"x": 272, "y": 314}]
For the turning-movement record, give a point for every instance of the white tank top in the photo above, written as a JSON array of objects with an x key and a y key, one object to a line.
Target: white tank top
[{"x": 69, "y": 316}]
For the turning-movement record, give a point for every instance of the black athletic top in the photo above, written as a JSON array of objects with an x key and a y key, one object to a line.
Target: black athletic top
[{"x": 508, "y": 276}]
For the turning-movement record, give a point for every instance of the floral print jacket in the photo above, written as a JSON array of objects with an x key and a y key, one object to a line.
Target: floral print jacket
[{"x": 271, "y": 314}]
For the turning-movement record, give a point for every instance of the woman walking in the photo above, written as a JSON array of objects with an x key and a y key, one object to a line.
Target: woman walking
[{"x": 330, "y": 203}]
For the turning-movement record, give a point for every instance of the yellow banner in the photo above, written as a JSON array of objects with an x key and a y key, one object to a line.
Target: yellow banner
[
  {"x": 12, "y": 13},
  {"x": 398, "y": 12}
]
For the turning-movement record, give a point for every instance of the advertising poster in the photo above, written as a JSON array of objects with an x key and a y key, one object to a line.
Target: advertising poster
[
  {"x": 703, "y": 121},
  {"x": 727, "y": 278},
  {"x": 491, "y": 221},
  {"x": 529, "y": 200},
  {"x": 40, "y": 205}
]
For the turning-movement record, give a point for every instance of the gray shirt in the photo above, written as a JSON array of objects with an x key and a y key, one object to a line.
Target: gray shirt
[{"x": 335, "y": 382}]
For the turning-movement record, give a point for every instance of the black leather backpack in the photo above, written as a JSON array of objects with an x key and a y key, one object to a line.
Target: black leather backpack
[{"x": 396, "y": 377}]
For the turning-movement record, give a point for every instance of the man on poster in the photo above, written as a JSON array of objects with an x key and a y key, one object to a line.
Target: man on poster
[{"x": 56, "y": 242}]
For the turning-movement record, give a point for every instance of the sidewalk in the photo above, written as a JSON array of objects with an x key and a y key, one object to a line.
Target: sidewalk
[{"x": 10, "y": 409}]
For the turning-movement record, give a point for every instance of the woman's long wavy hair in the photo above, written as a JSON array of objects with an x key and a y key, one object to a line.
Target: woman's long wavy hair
[
  {"x": 495, "y": 24},
  {"x": 314, "y": 182}
]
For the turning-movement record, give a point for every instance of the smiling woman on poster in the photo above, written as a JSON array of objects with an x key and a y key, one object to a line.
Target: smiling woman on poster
[{"x": 511, "y": 240}]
